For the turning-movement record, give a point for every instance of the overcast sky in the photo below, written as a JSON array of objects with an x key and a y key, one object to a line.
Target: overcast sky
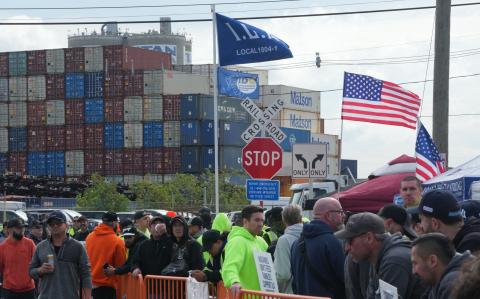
[{"x": 352, "y": 38}]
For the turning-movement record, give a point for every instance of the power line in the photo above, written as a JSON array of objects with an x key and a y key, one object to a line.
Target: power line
[
  {"x": 422, "y": 116},
  {"x": 243, "y": 18}
]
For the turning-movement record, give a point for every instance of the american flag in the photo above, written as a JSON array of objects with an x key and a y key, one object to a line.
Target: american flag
[
  {"x": 371, "y": 100},
  {"x": 429, "y": 163}
]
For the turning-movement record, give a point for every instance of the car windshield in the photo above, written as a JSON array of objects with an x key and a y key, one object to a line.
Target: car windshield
[{"x": 296, "y": 197}]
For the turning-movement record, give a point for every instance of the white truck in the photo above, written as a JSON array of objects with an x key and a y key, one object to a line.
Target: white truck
[{"x": 301, "y": 197}]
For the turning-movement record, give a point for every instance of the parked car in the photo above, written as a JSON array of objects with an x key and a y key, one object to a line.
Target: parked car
[
  {"x": 42, "y": 214},
  {"x": 92, "y": 214}
]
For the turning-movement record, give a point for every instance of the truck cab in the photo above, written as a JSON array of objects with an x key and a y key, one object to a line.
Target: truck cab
[{"x": 300, "y": 195}]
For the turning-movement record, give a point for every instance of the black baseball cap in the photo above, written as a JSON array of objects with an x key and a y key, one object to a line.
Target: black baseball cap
[
  {"x": 209, "y": 238},
  {"x": 16, "y": 222},
  {"x": 160, "y": 218},
  {"x": 56, "y": 215},
  {"x": 129, "y": 231},
  {"x": 400, "y": 216},
  {"x": 109, "y": 217},
  {"x": 360, "y": 224},
  {"x": 35, "y": 224},
  {"x": 442, "y": 205},
  {"x": 140, "y": 214},
  {"x": 471, "y": 208},
  {"x": 196, "y": 221}
]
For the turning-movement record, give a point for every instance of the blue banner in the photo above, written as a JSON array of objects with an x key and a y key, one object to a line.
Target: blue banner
[
  {"x": 242, "y": 43},
  {"x": 238, "y": 84},
  {"x": 263, "y": 189}
]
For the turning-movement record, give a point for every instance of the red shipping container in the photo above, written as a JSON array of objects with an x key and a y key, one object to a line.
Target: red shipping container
[
  {"x": 55, "y": 85},
  {"x": 36, "y": 113},
  {"x": 153, "y": 160},
  {"x": 127, "y": 58},
  {"x": 133, "y": 83},
  {"x": 113, "y": 109},
  {"x": 133, "y": 161},
  {"x": 114, "y": 84},
  {"x": 37, "y": 139},
  {"x": 171, "y": 160},
  {"x": 56, "y": 138},
  {"x": 74, "y": 137},
  {"x": 93, "y": 162},
  {"x": 36, "y": 62},
  {"x": 17, "y": 163},
  {"x": 74, "y": 60},
  {"x": 93, "y": 136},
  {"x": 113, "y": 160},
  {"x": 3, "y": 64},
  {"x": 171, "y": 107},
  {"x": 74, "y": 112}
]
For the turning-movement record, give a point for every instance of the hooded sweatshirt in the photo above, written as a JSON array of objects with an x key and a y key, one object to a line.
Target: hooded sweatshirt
[
  {"x": 325, "y": 255},
  {"x": 220, "y": 223},
  {"x": 282, "y": 257},
  {"x": 394, "y": 266},
  {"x": 444, "y": 287},
  {"x": 468, "y": 238},
  {"x": 239, "y": 265},
  {"x": 104, "y": 247}
]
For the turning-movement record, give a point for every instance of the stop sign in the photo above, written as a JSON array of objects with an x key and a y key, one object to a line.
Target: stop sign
[{"x": 262, "y": 158}]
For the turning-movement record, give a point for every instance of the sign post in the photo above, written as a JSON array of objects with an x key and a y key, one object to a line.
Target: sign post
[{"x": 309, "y": 161}]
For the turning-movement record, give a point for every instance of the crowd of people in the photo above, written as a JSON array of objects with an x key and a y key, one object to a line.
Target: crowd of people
[{"x": 424, "y": 248}]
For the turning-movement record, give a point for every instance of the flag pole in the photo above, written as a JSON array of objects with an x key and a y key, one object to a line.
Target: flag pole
[
  {"x": 215, "y": 108},
  {"x": 340, "y": 157}
]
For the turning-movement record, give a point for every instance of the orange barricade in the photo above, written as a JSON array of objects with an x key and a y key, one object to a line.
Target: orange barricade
[
  {"x": 130, "y": 287},
  {"x": 247, "y": 294},
  {"x": 160, "y": 287}
]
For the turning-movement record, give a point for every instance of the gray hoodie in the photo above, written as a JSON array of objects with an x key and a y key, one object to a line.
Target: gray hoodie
[
  {"x": 443, "y": 288},
  {"x": 282, "y": 257},
  {"x": 71, "y": 266}
]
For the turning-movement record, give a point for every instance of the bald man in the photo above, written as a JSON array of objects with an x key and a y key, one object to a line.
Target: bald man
[{"x": 317, "y": 256}]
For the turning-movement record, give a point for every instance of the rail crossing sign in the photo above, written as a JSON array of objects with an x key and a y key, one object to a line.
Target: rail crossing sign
[
  {"x": 309, "y": 160},
  {"x": 262, "y": 158},
  {"x": 263, "y": 120}
]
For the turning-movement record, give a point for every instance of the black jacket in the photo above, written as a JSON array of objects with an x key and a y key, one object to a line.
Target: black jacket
[
  {"x": 468, "y": 238},
  {"x": 153, "y": 255},
  {"x": 127, "y": 267},
  {"x": 213, "y": 267}
]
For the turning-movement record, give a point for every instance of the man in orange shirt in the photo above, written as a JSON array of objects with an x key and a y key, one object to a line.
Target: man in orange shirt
[
  {"x": 104, "y": 249},
  {"x": 15, "y": 255}
]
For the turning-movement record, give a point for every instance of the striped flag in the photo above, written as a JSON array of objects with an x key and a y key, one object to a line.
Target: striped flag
[
  {"x": 371, "y": 100},
  {"x": 429, "y": 163}
]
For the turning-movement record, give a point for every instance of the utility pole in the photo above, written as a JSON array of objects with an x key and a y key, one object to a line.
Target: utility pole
[{"x": 440, "y": 76}]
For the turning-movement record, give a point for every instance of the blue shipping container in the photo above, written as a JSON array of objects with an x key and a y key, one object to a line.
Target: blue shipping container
[
  {"x": 294, "y": 136},
  {"x": 196, "y": 132},
  {"x": 74, "y": 85},
  {"x": 55, "y": 163},
  {"x": 94, "y": 111},
  {"x": 113, "y": 135},
  {"x": 94, "y": 85},
  {"x": 152, "y": 134},
  {"x": 230, "y": 133},
  {"x": 17, "y": 63},
  {"x": 190, "y": 159},
  {"x": 196, "y": 106},
  {"x": 36, "y": 164},
  {"x": 231, "y": 158},
  {"x": 207, "y": 158},
  {"x": 3, "y": 163},
  {"x": 17, "y": 139},
  {"x": 351, "y": 164}
]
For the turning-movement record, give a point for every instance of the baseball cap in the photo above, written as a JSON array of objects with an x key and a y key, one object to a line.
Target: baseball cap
[
  {"x": 140, "y": 215},
  {"x": 129, "y": 231},
  {"x": 400, "y": 216},
  {"x": 209, "y": 238},
  {"x": 442, "y": 205},
  {"x": 158, "y": 218},
  {"x": 360, "y": 224},
  {"x": 274, "y": 213},
  {"x": 56, "y": 215},
  {"x": 35, "y": 224},
  {"x": 109, "y": 217},
  {"x": 196, "y": 221},
  {"x": 471, "y": 208},
  {"x": 15, "y": 222}
]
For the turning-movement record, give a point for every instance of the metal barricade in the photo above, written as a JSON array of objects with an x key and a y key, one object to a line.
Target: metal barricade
[
  {"x": 165, "y": 287},
  {"x": 130, "y": 288},
  {"x": 248, "y": 294}
]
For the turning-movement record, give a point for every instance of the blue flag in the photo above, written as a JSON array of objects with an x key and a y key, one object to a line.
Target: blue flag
[
  {"x": 242, "y": 43},
  {"x": 238, "y": 84}
]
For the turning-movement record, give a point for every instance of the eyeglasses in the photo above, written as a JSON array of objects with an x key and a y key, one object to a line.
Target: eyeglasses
[{"x": 342, "y": 212}]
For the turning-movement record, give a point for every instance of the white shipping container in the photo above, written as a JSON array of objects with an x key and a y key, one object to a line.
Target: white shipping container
[
  {"x": 74, "y": 163},
  {"x": 4, "y": 115},
  {"x": 36, "y": 88},
  {"x": 301, "y": 120},
  {"x": 184, "y": 83},
  {"x": 115, "y": 179},
  {"x": 152, "y": 108},
  {"x": 153, "y": 178},
  {"x": 55, "y": 61},
  {"x": 133, "y": 135},
  {"x": 171, "y": 134},
  {"x": 330, "y": 140},
  {"x": 152, "y": 82},
  {"x": 133, "y": 109},
  {"x": 3, "y": 89},
  {"x": 93, "y": 59},
  {"x": 3, "y": 140},
  {"x": 293, "y": 97},
  {"x": 55, "y": 112},
  {"x": 132, "y": 179},
  {"x": 17, "y": 113},
  {"x": 17, "y": 89}
]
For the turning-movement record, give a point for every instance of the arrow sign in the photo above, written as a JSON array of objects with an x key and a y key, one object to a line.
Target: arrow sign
[
  {"x": 300, "y": 158},
  {"x": 309, "y": 160},
  {"x": 318, "y": 158}
]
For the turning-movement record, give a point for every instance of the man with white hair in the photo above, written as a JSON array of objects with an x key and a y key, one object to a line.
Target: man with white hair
[{"x": 317, "y": 256}]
